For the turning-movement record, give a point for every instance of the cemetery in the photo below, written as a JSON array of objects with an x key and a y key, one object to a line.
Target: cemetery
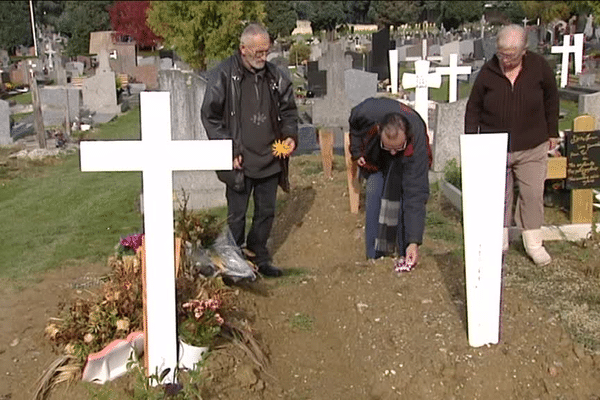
[{"x": 175, "y": 306}]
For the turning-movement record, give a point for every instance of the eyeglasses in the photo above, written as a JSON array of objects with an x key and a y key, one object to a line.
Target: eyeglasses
[
  {"x": 260, "y": 53},
  {"x": 395, "y": 149},
  {"x": 510, "y": 56}
]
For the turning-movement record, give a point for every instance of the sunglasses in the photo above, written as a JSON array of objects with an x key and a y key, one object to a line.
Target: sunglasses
[{"x": 395, "y": 149}]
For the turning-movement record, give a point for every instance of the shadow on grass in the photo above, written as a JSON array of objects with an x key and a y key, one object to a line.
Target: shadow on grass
[{"x": 452, "y": 269}]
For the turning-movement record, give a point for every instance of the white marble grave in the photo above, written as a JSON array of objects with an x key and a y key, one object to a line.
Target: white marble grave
[{"x": 157, "y": 156}]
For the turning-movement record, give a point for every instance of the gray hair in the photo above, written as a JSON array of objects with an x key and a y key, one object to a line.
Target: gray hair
[
  {"x": 508, "y": 34},
  {"x": 253, "y": 29}
]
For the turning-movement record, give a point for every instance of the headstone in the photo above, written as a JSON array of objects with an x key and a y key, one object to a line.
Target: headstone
[
  {"x": 360, "y": 85},
  {"x": 453, "y": 71},
  {"x": 587, "y": 79},
  {"x": 100, "y": 92},
  {"x": 467, "y": 49},
  {"x": 316, "y": 79},
  {"x": 566, "y": 49},
  {"x": 414, "y": 52},
  {"x": 4, "y": 58},
  {"x": 156, "y": 144},
  {"x": 532, "y": 39},
  {"x": 166, "y": 63},
  {"x": 449, "y": 125},
  {"x": 483, "y": 231},
  {"x": 333, "y": 110},
  {"x": 590, "y": 104},
  {"x": 402, "y": 53},
  {"x": 489, "y": 48},
  {"x": 187, "y": 92},
  {"x": 449, "y": 48},
  {"x": 421, "y": 80},
  {"x": 146, "y": 61},
  {"x": 5, "y": 138},
  {"x": 381, "y": 45},
  {"x": 75, "y": 68},
  {"x": 478, "y": 53},
  {"x": 54, "y": 103}
]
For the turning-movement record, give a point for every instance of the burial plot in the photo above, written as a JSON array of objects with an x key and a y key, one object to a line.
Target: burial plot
[
  {"x": 157, "y": 156},
  {"x": 5, "y": 138}
]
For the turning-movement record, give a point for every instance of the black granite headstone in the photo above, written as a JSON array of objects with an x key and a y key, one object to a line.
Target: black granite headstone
[{"x": 381, "y": 46}]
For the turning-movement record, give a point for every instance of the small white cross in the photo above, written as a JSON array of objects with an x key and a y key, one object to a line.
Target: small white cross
[
  {"x": 421, "y": 80},
  {"x": 453, "y": 71},
  {"x": 525, "y": 21},
  {"x": 157, "y": 156},
  {"x": 566, "y": 49}
]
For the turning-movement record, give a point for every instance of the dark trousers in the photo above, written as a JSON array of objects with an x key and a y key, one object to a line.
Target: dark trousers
[{"x": 264, "y": 193}]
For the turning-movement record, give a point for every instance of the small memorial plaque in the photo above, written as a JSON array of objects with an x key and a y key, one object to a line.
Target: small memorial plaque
[{"x": 583, "y": 160}]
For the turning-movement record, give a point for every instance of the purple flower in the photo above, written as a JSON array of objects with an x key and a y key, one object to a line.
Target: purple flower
[{"x": 132, "y": 242}]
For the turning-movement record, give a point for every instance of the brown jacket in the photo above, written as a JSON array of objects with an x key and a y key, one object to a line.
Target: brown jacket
[{"x": 527, "y": 111}]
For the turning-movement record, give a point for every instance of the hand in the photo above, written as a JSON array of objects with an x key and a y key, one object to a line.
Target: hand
[
  {"x": 237, "y": 162},
  {"x": 553, "y": 147},
  {"x": 361, "y": 162},
  {"x": 291, "y": 143},
  {"x": 412, "y": 254}
]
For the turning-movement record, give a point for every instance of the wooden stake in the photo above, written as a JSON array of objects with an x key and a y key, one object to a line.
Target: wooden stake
[
  {"x": 352, "y": 172},
  {"x": 38, "y": 121},
  {"x": 326, "y": 143}
]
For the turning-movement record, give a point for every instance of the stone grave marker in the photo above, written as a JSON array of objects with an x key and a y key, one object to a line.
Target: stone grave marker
[
  {"x": 4, "y": 58},
  {"x": 54, "y": 104},
  {"x": 99, "y": 92},
  {"x": 316, "y": 79},
  {"x": 157, "y": 156},
  {"x": 478, "y": 53},
  {"x": 381, "y": 45},
  {"x": 450, "y": 48},
  {"x": 187, "y": 92},
  {"x": 449, "y": 125},
  {"x": 467, "y": 49},
  {"x": 166, "y": 63},
  {"x": 5, "y": 138},
  {"x": 75, "y": 68},
  {"x": 489, "y": 48},
  {"x": 359, "y": 85}
]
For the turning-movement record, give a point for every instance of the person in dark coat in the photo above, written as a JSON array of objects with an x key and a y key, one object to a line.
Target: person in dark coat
[
  {"x": 251, "y": 102},
  {"x": 516, "y": 92},
  {"x": 389, "y": 142}
]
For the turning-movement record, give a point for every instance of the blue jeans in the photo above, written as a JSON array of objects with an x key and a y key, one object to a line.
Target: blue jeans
[
  {"x": 374, "y": 193},
  {"x": 265, "y": 195}
]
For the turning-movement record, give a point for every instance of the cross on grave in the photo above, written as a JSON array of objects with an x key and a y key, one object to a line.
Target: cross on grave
[
  {"x": 483, "y": 231},
  {"x": 453, "y": 71},
  {"x": 566, "y": 49},
  {"x": 157, "y": 156},
  {"x": 525, "y": 21},
  {"x": 422, "y": 80}
]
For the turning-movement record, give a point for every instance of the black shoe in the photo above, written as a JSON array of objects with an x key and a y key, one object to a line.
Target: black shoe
[{"x": 269, "y": 269}]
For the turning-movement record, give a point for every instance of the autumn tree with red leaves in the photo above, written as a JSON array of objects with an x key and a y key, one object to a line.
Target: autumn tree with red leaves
[{"x": 128, "y": 19}]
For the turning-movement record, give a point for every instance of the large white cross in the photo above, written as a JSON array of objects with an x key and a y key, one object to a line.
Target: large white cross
[
  {"x": 157, "y": 156},
  {"x": 566, "y": 49},
  {"x": 421, "y": 80},
  {"x": 393, "y": 55},
  {"x": 483, "y": 192},
  {"x": 453, "y": 71}
]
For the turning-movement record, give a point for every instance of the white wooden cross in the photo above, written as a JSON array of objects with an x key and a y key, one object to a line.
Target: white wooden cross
[
  {"x": 453, "y": 71},
  {"x": 393, "y": 54},
  {"x": 483, "y": 231},
  {"x": 566, "y": 49},
  {"x": 421, "y": 80},
  {"x": 525, "y": 21},
  {"x": 157, "y": 156}
]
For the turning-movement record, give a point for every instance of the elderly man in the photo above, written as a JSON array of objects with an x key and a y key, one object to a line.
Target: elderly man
[
  {"x": 516, "y": 92},
  {"x": 251, "y": 102}
]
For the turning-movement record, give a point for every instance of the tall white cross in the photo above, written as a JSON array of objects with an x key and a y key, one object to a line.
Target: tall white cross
[
  {"x": 393, "y": 55},
  {"x": 566, "y": 49},
  {"x": 453, "y": 71},
  {"x": 525, "y": 21},
  {"x": 421, "y": 80},
  {"x": 157, "y": 156},
  {"x": 483, "y": 231}
]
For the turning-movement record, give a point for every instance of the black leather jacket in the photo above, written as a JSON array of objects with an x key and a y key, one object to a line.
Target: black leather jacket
[{"x": 221, "y": 107}]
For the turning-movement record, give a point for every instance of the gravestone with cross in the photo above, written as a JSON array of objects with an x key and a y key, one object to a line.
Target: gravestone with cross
[
  {"x": 422, "y": 80},
  {"x": 566, "y": 49},
  {"x": 157, "y": 156},
  {"x": 453, "y": 70}
]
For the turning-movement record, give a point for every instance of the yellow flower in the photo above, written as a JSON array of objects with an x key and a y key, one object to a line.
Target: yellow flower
[
  {"x": 280, "y": 149},
  {"x": 123, "y": 325}
]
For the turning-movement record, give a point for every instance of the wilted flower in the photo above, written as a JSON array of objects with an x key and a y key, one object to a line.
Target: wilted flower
[
  {"x": 51, "y": 330},
  {"x": 70, "y": 348},
  {"x": 88, "y": 338},
  {"x": 123, "y": 325}
]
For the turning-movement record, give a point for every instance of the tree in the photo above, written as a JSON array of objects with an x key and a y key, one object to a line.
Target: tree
[
  {"x": 455, "y": 13},
  {"x": 15, "y": 25},
  {"x": 202, "y": 30},
  {"x": 304, "y": 9},
  {"x": 280, "y": 18},
  {"x": 79, "y": 19},
  {"x": 546, "y": 11},
  {"x": 327, "y": 15},
  {"x": 299, "y": 52},
  {"x": 386, "y": 13},
  {"x": 357, "y": 12},
  {"x": 128, "y": 18}
]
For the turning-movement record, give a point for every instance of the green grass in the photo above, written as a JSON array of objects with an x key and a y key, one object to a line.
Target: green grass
[
  {"x": 572, "y": 111},
  {"x": 23, "y": 98},
  {"x": 301, "y": 322},
  {"x": 60, "y": 215}
]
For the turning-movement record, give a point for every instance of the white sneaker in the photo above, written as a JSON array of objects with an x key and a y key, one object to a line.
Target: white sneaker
[{"x": 532, "y": 240}]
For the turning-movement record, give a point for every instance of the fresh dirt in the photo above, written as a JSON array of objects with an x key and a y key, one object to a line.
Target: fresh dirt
[{"x": 339, "y": 327}]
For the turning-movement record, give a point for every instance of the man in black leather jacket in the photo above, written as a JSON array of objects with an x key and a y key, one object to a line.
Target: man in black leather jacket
[{"x": 251, "y": 102}]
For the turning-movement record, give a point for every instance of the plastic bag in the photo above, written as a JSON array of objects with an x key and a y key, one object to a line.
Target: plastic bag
[{"x": 229, "y": 258}]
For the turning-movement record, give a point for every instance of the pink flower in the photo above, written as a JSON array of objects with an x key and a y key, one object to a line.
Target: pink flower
[{"x": 133, "y": 241}]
